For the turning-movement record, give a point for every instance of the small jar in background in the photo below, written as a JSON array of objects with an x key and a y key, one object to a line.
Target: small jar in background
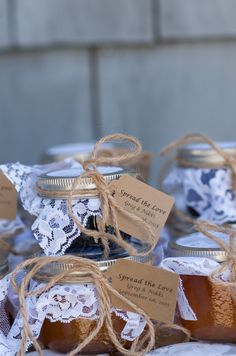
[
  {"x": 202, "y": 186},
  {"x": 82, "y": 151},
  {"x": 206, "y": 309}
]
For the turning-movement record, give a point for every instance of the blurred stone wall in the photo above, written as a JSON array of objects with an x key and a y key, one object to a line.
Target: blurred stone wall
[{"x": 73, "y": 70}]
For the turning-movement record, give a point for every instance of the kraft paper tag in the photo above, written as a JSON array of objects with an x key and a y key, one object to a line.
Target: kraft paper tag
[
  {"x": 151, "y": 288},
  {"x": 144, "y": 201},
  {"x": 8, "y": 199}
]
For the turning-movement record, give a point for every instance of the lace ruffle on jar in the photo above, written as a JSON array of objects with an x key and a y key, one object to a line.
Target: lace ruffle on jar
[{"x": 53, "y": 228}]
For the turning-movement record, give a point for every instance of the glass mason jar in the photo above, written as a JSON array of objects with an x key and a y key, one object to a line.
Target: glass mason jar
[
  {"x": 64, "y": 337},
  {"x": 82, "y": 151},
  {"x": 61, "y": 183},
  {"x": 214, "y": 306},
  {"x": 202, "y": 186}
]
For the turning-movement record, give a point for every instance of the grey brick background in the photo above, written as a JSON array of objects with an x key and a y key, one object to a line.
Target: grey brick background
[{"x": 73, "y": 70}]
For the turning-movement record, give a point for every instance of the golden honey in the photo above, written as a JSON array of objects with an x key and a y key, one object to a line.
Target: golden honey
[{"x": 214, "y": 307}]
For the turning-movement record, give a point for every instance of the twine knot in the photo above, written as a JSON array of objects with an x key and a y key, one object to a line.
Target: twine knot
[
  {"x": 109, "y": 206},
  {"x": 229, "y": 265}
]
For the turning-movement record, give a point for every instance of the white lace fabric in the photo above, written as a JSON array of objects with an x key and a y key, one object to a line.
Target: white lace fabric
[
  {"x": 207, "y": 191},
  {"x": 53, "y": 228},
  {"x": 62, "y": 303}
]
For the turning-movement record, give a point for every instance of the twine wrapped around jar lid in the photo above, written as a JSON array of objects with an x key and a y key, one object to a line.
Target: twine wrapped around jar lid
[
  {"x": 215, "y": 157},
  {"x": 58, "y": 184},
  {"x": 109, "y": 206},
  {"x": 229, "y": 265}
]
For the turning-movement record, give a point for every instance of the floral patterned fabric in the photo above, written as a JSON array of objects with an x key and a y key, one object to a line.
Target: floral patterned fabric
[{"x": 208, "y": 192}]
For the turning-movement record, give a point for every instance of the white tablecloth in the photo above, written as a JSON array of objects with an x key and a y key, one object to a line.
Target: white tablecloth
[{"x": 185, "y": 349}]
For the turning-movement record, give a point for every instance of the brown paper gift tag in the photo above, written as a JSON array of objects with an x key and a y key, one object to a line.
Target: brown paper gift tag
[
  {"x": 151, "y": 288},
  {"x": 144, "y": 201},
  {"x": 8, "y": 198}
]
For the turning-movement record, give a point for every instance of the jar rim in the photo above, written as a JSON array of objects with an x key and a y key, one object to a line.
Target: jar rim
[
  {"x": 197, "y": 153},
  {"x": 62, "y": 181},
  {"x": 177, "y": 249}
]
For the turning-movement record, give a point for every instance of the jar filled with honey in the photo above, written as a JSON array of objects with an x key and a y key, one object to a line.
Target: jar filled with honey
[
  {"x": 65, "y": 328},
  {"x": 206, "y": 309}
]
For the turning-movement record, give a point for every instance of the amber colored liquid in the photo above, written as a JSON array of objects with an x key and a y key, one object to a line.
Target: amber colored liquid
[
  {"x": 214, "y": 308},
  {"x": 64, "y": 337}
]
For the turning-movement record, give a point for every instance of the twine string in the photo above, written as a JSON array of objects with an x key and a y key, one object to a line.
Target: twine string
[
  {"x": 229, "y": 265},
  {"x": 109, "y": 206}
]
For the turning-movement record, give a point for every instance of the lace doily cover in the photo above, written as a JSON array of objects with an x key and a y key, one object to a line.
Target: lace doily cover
[
  {"x": 207, "y": 191},
  {"x": 53, "y": 228},
  {"x": 188, "y": 266},
  {"x": 62, "y": 303}
]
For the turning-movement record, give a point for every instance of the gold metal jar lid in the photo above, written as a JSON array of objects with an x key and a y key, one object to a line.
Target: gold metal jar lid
[
  {"x": 197, "y": 245},
  {"x": 204, "y": 154},
  {"x": 62, "y": 181},
  {"x": 55, "y": 268},
  {"x": 3, "y": 265},
  {"x": 80, "y": 151}
]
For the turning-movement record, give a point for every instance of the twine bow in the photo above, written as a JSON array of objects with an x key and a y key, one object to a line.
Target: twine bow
[
  {"x": 109, "y": 206},
  {"x": 229, "y": 265},
  {"x": 229, "y": 160},
  {"x": 143, "y": 344}
]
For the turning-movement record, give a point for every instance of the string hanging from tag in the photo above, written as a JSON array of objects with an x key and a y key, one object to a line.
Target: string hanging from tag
[
  {"x": 229, "y": 265},
  {"x": 143, "y": 344},
  {"x": 109, "y": 206}
]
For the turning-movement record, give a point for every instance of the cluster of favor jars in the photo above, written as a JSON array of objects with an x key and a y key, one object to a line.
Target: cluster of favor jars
[
  {"x": 62, "y": 317},
  {"x": 58, "y": 213}
]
